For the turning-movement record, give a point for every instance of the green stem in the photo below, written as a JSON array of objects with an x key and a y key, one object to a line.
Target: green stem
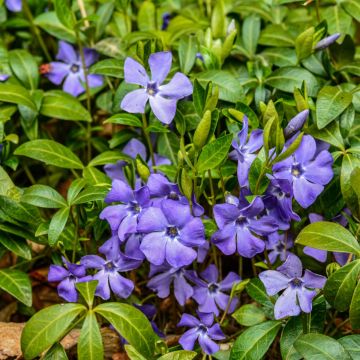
[
  {"x": 306, "y": 318},
  {"x": 268, "y": 263},
  {"x": 29, "y": 174},
  {"x": 76, "y": 240},
  {"x": 36, "y": 30},
  {"x": 148, "y": 140},
  {"x": 213, "y": 201}
]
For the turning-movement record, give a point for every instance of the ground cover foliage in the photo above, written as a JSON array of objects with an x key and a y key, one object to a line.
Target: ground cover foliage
[{"x": 186, "y": 173}]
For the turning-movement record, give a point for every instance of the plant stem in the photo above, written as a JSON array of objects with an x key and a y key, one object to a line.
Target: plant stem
[
  {"x": 268, "y": 263},
  {"x": 213, "y": 201},
  {"x": 306, "y": 318},
  {"x": 148, "y": 140},
  {"x": 76, "y": 240}
]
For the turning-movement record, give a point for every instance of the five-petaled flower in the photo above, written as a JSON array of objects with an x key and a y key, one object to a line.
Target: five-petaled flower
[
  {"x": 162, "y": 98},
  {"x": 299, "y": 288},
  {"x": 202, "y": 330},
  {"x": 70, "y": 67}
]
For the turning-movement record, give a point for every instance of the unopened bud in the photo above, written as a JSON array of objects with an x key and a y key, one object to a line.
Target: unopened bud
[
  {"x": 296, "y": 123},
  {"x": 202, "y": 130},
  {"x": 331, "y": 268},
  {"x": 326, "y": 42}
]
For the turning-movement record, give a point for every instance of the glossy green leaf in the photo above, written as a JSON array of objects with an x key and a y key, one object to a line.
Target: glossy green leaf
[
  {"x": 87, "y": 290},
  {"x": 93, "y": 176},
  {"x": 48, "y": 326},
  {"x": 64, "y": 13},
  {"x": 304, "y": 43},
  {"x": 16, "y": 94},
  {"x": 331, "y": 134},
  {"x": 124, "y": 119},
  {"x": 256, "y": 290},
  {"x": 90, "y": 345},
  {"x": 351, "y": 344},
  {"x": 56, "y": 352},
  {"x": 43, "y": 196},
  {"x": 25, "y": 68},
  {"x": 291, "y": 332},
  {"x": 15, "y": 244},
  {"x": 331, "y": 102},
  {"x": 108, "y": 67},
  {"x": 146, "y": 16},
  {"x": 187, "y": 53},
  {"x": 132, "y": 324},
  {"x": 179, "y": 355},
  {"x": 60, "y": 105},
  {"x": 249, "y": 315},
  {"x": 251, "y": 33},
  {"x": 109, "y": 157},
  {"x": 74, "y": 189},
  {"x": 328, "y": 236},
  {"x": 318, "y": 346},
  {"x": 340, "y": 286},
  {"x": 51, "y": 153},
  {"x": 276, "y": 35},
  {"x": 214, "y": 153},
  {"x": 355, "y": 308},
  {"x": 57, "y": 225},
  {"x": 17, "y": 284},
  {"x": 91, "y": 193},
  {"x": 254, "y": 342},
  {"x": 132, "y": 353}
]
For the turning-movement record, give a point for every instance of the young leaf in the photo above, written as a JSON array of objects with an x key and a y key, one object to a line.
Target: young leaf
[
  {"x": 50, "y": 152},
  {"x": 87, "y": 290},
  {"x": 60, "y": 105},
  {"x": 179, "y": 355},
  {"x": 48, "y": 326},
  {"x": 17, "y": 284},
  {"x": 124, "y": 119},
  {"x": 214, "y": 153},
  {"x": 328, "y": 236},
  {"x": 251, "y": 33},
  {"x": 249, "y": 315},
  {"x": 64, "y": 13},
  {"x": 132, "y": 324},
  {"x": 133, "y": 354},
  {"x": 91, "y": 193},
  {"x": 331, "y": 102},
  {"x": 108, "y": 67},
  {"x": 43, "y": 196},
  {"x": 187, "y": 53},
  {"x": 74, "y": 189},
  {"x": 57, "y": 224},
  {"x": 109, "y": 157},
  {"x": 56, "y": 352},
  {"x": 90, "y": 346},
  {"x": 319, "y": 346},
  {"x": 254, "y": 342}
]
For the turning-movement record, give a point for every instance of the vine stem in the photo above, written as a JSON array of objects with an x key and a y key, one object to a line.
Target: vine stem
[{"x": 306, "y": 319}]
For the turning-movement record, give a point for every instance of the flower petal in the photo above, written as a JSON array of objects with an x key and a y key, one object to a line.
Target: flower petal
[
  {"x": 292, "y": 267},
  {"x": 154, "y": 248},
  {"x": 120, "y": 191},
  {"x": 164, "y": 109},
  {"x": 224, "y": 239},
  {"x": 179, "y": 87},
  {"x": 320, "y": 170},
  {"x": 274, "y": 281},
  {"x": 93, "y": 262},
  {"x": 57, "y": 273},
  {"x": 67, "y": 290},
  {"x": 305, "y": 192},
  {"x": 121, "y": 286},
  {"x": 210, "y": 274},
  {"x": 58, "y": 72},
  {"x": 306, "y": 150},
  {"x": 187, "y": 340},
  {"x": 305, "y": 298},
  {"x": 95, "y": 80},
  {"x": 134, "y": 73},
  {"x": 66, "y": 53},
  {"x": 152, "y": 219},
  {"x": 72, "y": 85},
  {"x": 90, "y": 56},
  {"x": 225, "y": 214},
  {"x": 135, "y": 101},
  {"x": 286, "y": 304},
  {"x": 208, "y": 346},
  {"x": 182, "y": 289},
  {"x": 160, "y": 65},
  {"x": 312, "y": 280},
  {"x": 193, "y": 233},
  {"x": 188, "y": 320},
  {"x": 134, "y": 148},
  {"x": 178, "y": 255},
  {"x": 319, "y": 255}
]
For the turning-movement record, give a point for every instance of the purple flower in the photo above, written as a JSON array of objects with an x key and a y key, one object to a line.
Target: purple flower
[
  {"x": 14, "y": 5},
  {"x": 167, "y": 275},
  {"x": 299, "y": 289},
  {"x": 244, "y": 151},
  {"x": 108, "y": 274},
  {"x": 321, "y": 255},
  {"x": 4, "y": 77},
  {"x": 123, "y": 218},
  {"x": 162, "y": 98},
  {"x": 68, "y": 277},
  {"x": 326, "y": 42},
  {"x": 278, "y": 202},
  {"x": 237, "y": 221},
  {"x": 201, "y": 330},
  {"x": 170, "y": 233},
  {"x": 133, "y": 148},
  {"x": 296, "y": 123},
  {"x": 307, "y": 171},
  {"x": 71, "y": 68},
  {"x": 161, "y": 188},
  {"x": 209, "y": 293},
  {"x": 166, "y": 20},
  {"x": 278, "y": 244}
]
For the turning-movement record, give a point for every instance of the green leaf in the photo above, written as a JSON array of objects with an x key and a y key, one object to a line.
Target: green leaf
[
  {"x": 109, "y": 157},
  {"x": 351, "y": 344},
  {"x": 187, "y": 53},
  {"x": 91, "y": 193},
  {"x": 340, "y": 286},
  {"x": 15, "y": 244},
  {"x": 50, "y": 23},
  {"x": 108, "y": 67},
  {"x": 349, "y": 163},
  {"x": 132, "y": 353},
  {"x": 87, "y": 290},
  {"x": 60, "y": 105},
  {"x": 331, "y": 102},
  {"x": 352, "y": 7},
  {"x": 291, "y": 332},
  {"x": 318, "y": 346},
  {"x": 57, "y": 225},
  {"x": 17, "y": 284},
  {"x": 25, "y": 68},
  {"x": 304, "y": 43},
  {"x": 338, "y": 21},
  {"x": 75, "y": 187},
  {"x": 254, "y": 342},
  {"x": 16, "y": 94},
  {"x": 355, "y": 308},
  {"x": 51, "y": 153},
  {"x": 251, "y": 33},
  {"x": 124, "y": 119},
  {"x": 249, "y": 315},
  {"x": 214, "y": 153},
  {"x": 291, "y": 77},
  {"x": 90, "y": 345},
  {"x": 43, "y": 196},
  {"x": 146, "y": 16},
  {"x": 325, "y": 235},
  {"x": 93, "y": 176},
  {"x": 48, "y": 326},
  {"x": 230, "y": 88},
  {"x": 330, "y": 134},
  {"x": 276, "y": 35},
  {"x": 179, "y": 355},
  {"x": 280, "y": 56},
  {"x": 56, "y": 352},
  {"x": 132, "y": 324},
  {"x": 256, "y": 290},
  {"x": 64, "y": 13}
]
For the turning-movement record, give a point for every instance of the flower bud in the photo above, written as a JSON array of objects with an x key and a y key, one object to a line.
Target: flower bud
[
  {"x": 326, "y": 42},
  {"x": 331, "y": 268},
  {"x": 202, "y": 130},
  {"x": 296, "y": 123},
  {"x": 186, "y": 184},
  {"x": 142, "y": 169}
]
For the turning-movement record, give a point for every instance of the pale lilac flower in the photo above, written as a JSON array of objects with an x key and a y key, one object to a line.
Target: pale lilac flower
[
  {"x": 307, "y": 171},
  {"x": 14, "y": 5},
  {"x": 67, "y": 278},
  {"x": 244, "y": 151},
  {"x": 170, "y": 233},
  {"x": 162, "y": 98},
  {"x": 71, "y": 69},
  {"x": 210, "y": 293},
  {"x": 299, "y": 288},
  {"x": 326, "y": 42},
  {"x": 201, "y": 330}
]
